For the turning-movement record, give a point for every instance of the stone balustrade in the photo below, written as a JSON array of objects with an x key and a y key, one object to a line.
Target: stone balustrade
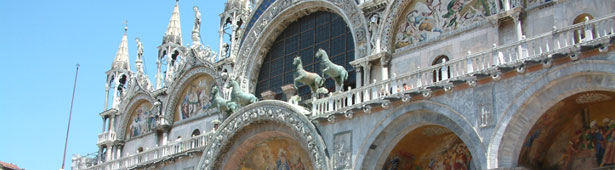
[
  {"x": 161, "y": 153},
  {"x": 559, "y": 42},
  {"x": 106, "y": 137}
]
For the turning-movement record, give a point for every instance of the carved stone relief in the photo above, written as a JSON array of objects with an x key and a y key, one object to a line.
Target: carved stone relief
[{"x": 342, "y": 155}]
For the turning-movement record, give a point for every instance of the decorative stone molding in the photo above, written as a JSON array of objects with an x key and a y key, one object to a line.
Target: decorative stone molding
[
  {"x": 266, "y": 111},
  {"x": 178, "y": 86},
  {"x": 277, "y": 17}
]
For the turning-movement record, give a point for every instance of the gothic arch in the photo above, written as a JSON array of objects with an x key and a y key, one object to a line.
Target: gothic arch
[
  {"x": 275, "y": 19},
  {"x": 126, "y": 112},
  {"x": 266, "y": 113},
  {"x": 177, "y": 87},
  {"x": 539, "y": 96},
  {"x": 401, "y": 121}
]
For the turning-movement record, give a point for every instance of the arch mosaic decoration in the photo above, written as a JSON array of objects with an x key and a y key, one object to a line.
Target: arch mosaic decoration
[
  {"x": 177, "y": 87},
  {"x": 417, "y": 22},
  {"x": 266, "y": 111},
  {"x": 126, "y": 109},
  {"x": 429, "y": 147},
  {"x": 575, "y": 133},
  {"x": 195, "y": 98},
  {"x": 277, "y": 17},
  {"x": 277, "y": 153},
  {"x": 518, "y": 118},
  {"x": 407, "y": 118},
  {"x": 142, "y": 121}
]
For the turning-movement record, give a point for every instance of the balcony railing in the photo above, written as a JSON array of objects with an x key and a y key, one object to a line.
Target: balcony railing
[
  {"x": 157, "y": 154},
  {"x": 106, "y": 136},
  {"x": 487, "y": 62}
]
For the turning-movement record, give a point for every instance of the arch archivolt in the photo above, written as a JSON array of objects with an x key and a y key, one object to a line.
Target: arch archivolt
[
  {"x": 177, "y": 87},
  {"x": 277, "y": 17},
  {"x": 539, "y": 96},
  {"x": 127, "y": 109},
  {"x": 294, "y": 125},
  {"x": 398, "y": 123}
]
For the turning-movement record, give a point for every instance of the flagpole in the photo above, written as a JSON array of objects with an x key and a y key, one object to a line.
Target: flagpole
[{"x": 70, "y": 114}]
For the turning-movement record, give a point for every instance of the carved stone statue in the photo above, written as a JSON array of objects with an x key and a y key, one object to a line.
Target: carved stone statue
[
  {"x": 224, "y": 51},
  {"x": 197, "y": 19},
  {"x": 337, "y": 72},
  {"x": 196, "y": 31},
  {"x": 374, "y": 21},
  {"x": 223, "y": 105},
  {"x": 239, "y": 97},
  {"x": 139, "y": 49},
  {"x": 301, "y": 76}
]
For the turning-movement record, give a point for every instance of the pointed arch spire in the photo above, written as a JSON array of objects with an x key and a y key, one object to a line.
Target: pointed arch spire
[
  {"x": 174, "y": 33},
  {"x": 121, "y": 61}
]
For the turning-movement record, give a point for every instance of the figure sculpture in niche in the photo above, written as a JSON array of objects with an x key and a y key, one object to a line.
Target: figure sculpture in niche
[
  {"x": 301, "y": 76},
  {"x": 337, "y": 72},
  {"x": 239, "y": 97},
  {"x": 219, "y": 102}
]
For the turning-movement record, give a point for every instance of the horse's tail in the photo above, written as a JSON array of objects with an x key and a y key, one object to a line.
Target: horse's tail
[{"x": 344, "y": 75}]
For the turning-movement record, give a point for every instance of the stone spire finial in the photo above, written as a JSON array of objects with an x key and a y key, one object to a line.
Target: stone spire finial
[
  {"x": 174, "y": 33},
  {"x": 121, "y": 57}
]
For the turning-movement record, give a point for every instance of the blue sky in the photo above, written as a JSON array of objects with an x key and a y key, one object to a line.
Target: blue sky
[{"x": 41, "y": 43}]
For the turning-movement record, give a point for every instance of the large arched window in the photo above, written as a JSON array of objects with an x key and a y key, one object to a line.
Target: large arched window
[{"x": 303, "y": 38}]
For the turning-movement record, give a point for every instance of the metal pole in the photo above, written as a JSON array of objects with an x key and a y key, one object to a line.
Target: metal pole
[{"x": 69, "y": 117}]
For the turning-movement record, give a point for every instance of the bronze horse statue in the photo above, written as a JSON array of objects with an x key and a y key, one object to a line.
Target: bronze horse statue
[
  {"x": 337, "y": 72},
  {"x": 301, "y": 76}
]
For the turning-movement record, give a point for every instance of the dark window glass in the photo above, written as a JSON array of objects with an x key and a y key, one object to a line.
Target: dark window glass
[{"x": 304, "y": 37}]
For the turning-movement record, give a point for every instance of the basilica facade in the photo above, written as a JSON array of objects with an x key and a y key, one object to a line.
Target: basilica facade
[{"x": 370, "y": 84}]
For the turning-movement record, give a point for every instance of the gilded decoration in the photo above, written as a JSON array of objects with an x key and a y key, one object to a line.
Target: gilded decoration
[
  {"x": 141, "y": 121},
  {"x": 429, "y": 147},
  {"x": 195, "y": 99},
  {"x": 573, "y": 135},
  {"x": 277, "y": 153}
]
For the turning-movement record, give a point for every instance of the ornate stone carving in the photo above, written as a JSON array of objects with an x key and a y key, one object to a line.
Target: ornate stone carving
[
  {"x": 273, "y": 111},
  {"x": 342, "y": 155}
]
